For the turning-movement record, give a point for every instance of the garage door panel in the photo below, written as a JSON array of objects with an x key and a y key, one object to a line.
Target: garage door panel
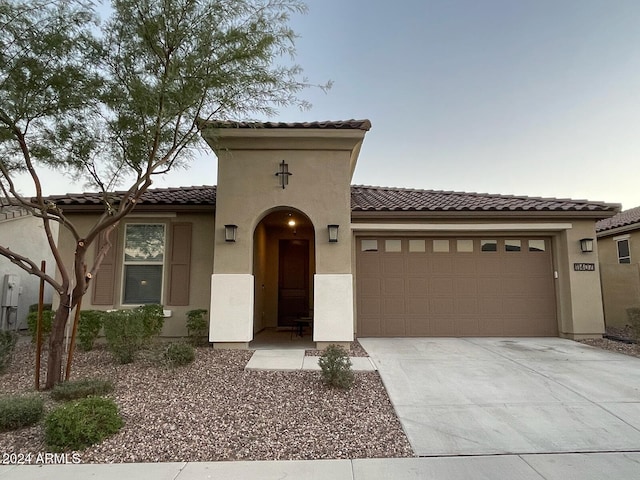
[
  {"x": 417, "y": 286},
  {"x": 393, "y": 306},
  {"x": 418, "y": 306},
  {"x": 393, "y": 265},
  {"x": 393, "y": 286},
  {"x": 394, "y": 326},
  {"x": 452, "y": 291}
]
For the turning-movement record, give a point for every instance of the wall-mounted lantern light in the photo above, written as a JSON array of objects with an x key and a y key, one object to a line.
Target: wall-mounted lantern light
[
  {"x": 230, "y": 233},
  {"x": 333, "y": 233},
  {"x": 586, "y": 245}
]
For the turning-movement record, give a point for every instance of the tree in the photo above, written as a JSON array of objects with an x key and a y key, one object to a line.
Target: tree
[{"x": 120, "y": 102}]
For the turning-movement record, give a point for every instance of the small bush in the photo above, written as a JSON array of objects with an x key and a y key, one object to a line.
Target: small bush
[
  {"x": 77, "y": 425},
  {"x": 34, "y": 307},
  {"x": 89, "y": 328},
  {"x": 19, "y": 411},
  {"x": 7, "y": 346},
  {"x": 336, "y": 367},
  {"x": 179, "y": 354},
  {"x": 197, "y": 327},
  {"x": 129, "y": 331},
  {"x": 47, "y": 320},
  {"x": 80, "y": 389},
  {"x": 634, "y": 320}
]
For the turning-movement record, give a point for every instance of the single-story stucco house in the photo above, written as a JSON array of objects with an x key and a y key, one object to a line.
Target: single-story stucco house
[
  {"x": 619, "y": 255},
  {"x": 285, "y": 235}
]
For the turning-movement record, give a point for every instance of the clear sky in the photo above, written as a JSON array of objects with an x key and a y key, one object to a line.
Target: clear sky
[{"x": 525, "y": 97}]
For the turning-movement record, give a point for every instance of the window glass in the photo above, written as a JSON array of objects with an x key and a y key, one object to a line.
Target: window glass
[
  {"x": 512, "y": 245},
  {"x": 623, "y": 251},
  {"x": 369, "y": 245},
  {"x": 537, "y": 246},
  {"x": 441, "y": 246},
  {"x": 465, "y": 245},
  {"x": 489, "y": 245},
  {"x": 393, "y": 245},
  {"x": 143, "y": 263},
  {"x": 417, "y": 245}
]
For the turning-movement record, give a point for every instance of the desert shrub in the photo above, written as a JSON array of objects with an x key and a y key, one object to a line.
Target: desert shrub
[
  {"x": 80, "y": 424},
  {"x": 336, "y": 367},
  {"x": 73, "y": 390},
  {"x": 47, "y": 320},
  {"x": 634, "y": 320},
  {"x": 7, "y": 346},
  {"x": 179, "y": 354},
  {"x": 20, "y": 411},
  {"x": 88, "y": 328},
  {"x": 124, "y": 332},
  {"x": 197, "y": 327},
  {"x": 129, "y": 331},
  {"x": 152, "y": 319}
]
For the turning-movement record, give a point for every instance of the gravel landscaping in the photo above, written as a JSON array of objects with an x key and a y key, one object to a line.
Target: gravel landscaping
[
  {"x": 625, "y": 341},
  {"x": 214, "y": 410}
]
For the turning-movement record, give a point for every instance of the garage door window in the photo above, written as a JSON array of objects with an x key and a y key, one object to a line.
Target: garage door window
[
  {"x": 417, "y": 246},
  {"x": 489, "y": 245},
  {"x": 393, "y": 246},
  {"x": 512, "y": 245},
  {"x": 537, "y": 246},
  {"x": 441, "y": 246},
  {"x": 369, "y": 245},
  {"x": 464, "y": 245}
]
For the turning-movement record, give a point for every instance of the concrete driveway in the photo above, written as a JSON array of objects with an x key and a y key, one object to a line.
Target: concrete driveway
[{"x": 478, "y": 396}]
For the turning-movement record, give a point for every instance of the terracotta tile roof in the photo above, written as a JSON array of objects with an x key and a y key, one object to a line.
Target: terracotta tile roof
[
  {"x": 381, "y": 199},
  {"x": 197, "y": 195},
  {"x": 338, "y": 124},
  {"x": 622, "y": 219},
  {"x": 9, "y": 212},
  {"x": 371, "y": 199}
]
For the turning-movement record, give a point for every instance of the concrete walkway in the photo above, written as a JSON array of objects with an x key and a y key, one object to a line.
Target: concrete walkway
[
  {"x": 484, "y": 396},
  {"x": 595, "y": 466},
  {"x": 295, "y": 359}
]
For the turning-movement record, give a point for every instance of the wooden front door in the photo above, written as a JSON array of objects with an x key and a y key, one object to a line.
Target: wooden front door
[{"x": 293, "y": 281}]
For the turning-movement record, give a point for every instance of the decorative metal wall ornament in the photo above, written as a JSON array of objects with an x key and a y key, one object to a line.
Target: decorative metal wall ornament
[{"x": 283, "y": 174}]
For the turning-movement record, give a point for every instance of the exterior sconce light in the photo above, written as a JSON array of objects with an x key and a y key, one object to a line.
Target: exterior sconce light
[
  {"x": 333, "y": 233},
  {"x": 586, "y": 245},
  {"x": 230, "y": 233}
]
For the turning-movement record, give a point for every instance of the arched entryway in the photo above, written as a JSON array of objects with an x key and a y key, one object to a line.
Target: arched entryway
[{"x": 283, "y": 269}]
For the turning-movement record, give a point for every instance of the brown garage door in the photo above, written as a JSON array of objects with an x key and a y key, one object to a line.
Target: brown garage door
[{"x": 485, "y": 286}]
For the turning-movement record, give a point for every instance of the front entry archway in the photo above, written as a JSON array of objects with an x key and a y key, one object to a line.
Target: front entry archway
[{"x": 283, "y": 269}]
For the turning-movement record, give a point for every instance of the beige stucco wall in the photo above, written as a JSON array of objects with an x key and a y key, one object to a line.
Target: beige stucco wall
[
  {"x": 620, "y": 282},
  {"x": 201, "y": 263}
]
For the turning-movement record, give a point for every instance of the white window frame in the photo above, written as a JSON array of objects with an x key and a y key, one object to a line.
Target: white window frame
[
  {"x": 623, "y": 238},
  {"x": 125, "y": 262}
]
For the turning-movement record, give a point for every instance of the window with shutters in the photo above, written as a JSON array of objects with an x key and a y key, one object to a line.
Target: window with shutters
[{"x": 144, "y": 256}]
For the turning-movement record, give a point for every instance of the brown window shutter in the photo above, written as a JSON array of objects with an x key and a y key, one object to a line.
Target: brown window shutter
[
  {"x": 180, "y": 264},
  {"x": 104, "y": 283}
]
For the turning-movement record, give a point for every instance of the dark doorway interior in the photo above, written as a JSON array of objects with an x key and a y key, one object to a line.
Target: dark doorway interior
[{"x": 293, "y": 281}]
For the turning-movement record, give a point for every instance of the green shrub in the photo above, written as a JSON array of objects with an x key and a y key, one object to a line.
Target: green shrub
[
  {"x": 152, "y": 319},
  {"x": 80, "y": 389},
  {"x": 634, "y": 320},
  {"x": 47, "y": 320},
  {"x": 129, "y": 331},
  {"x": 34, "y": 307},
  {"x": 336, "y": 367},
  {"x": 88, "y": 328},
  {"x": 20, "y": 411},
  {"x": 179, "y": 354},
  {"x": 197, "y": 327},
  {"x": 80, "y": 424},
  {"x": 7, "y": 346}
]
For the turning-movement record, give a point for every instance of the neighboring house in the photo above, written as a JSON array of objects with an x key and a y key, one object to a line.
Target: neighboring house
[
  {"x": 285, "y": 236},
  {"x": 24, "y": 234},
  {"x": 619, "y": 254}
]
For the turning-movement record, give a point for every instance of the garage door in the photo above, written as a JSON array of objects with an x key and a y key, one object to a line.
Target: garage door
[{"x": 455, "y": 287}]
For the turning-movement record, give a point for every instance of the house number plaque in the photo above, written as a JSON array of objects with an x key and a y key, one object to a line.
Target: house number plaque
[{"x": 584, "y": 267}]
